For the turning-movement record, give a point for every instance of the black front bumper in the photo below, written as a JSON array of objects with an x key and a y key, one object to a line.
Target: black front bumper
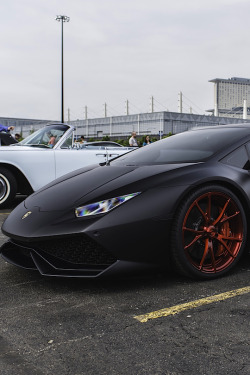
[{"x": 68, "y": 257}]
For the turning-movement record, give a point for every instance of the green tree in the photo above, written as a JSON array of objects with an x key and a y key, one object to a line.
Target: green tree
[{"x": 106, "y": 138}]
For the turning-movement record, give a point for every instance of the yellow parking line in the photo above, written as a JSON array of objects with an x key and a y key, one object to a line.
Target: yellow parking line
[{"x": 193, "y": 304}]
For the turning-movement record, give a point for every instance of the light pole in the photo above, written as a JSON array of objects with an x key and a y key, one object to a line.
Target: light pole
[{"x": 63, "y": 19}]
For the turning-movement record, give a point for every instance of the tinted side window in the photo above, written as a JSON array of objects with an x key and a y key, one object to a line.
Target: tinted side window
[
  {"x": 238, "y": 158},
  {"x": 187, "y": 147}
]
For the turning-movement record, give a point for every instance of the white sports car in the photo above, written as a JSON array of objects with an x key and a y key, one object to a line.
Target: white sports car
[{"x": 46, "y": 155}]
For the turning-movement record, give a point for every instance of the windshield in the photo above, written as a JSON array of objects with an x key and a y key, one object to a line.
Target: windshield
[
  {"x": 187, "y": 147},
  {"x": 48, "y": 136}
]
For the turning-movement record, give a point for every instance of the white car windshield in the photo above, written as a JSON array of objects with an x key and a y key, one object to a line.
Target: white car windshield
[{"x": 47, "y": 136}]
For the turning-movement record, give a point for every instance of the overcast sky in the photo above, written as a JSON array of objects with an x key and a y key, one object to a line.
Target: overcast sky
[{"x": 117, "y": 50}]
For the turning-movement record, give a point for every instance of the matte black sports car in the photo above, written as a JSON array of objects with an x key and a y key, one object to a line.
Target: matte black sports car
[{"x": 182, "y": 201}]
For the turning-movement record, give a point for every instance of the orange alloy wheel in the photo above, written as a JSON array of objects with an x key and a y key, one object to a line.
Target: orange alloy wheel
[{"x": 212, "y": 232}]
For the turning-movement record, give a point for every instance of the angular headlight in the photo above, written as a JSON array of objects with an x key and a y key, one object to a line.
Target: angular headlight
[{"x": 103, "y": 206}]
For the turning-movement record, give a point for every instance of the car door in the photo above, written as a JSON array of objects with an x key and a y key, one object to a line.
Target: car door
[
  {"x": 70, "y": 157},
  {"x": 36, "y": 164},
  {"x": 68, "y": 160}
]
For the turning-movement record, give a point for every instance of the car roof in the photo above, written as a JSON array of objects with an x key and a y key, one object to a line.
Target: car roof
[{"x": 226, "y": 126}]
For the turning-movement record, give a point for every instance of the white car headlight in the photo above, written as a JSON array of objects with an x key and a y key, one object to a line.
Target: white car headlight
[{"x": 103, "y": 206}]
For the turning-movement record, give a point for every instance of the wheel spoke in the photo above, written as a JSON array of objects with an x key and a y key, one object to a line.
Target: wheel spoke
[
  {"x": 193, "y": 241},
  {"x": 222, "y": 212},
  {"x": 228, "y": 238},
  {"x": 193, "y": 230},
  {"x": 226, "y": 218},
  {"x": 211, "y": 249},
  {"x": 223, "y": 243},
  {"x": 208, "y": 214},
  {"x": 201, "y": 211},
  {"x": 204, "y": 254}
]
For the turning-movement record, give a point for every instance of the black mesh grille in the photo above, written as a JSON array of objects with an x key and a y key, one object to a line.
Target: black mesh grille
[{"x": 79, "y": 250}]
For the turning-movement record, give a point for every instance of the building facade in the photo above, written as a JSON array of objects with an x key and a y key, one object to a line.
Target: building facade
[
  {"x": 155, "y": 124},
  {"x": 231, "y": 97}
]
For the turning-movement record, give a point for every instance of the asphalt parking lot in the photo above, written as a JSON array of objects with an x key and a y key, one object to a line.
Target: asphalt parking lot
[{"x": 154, "y": 325}]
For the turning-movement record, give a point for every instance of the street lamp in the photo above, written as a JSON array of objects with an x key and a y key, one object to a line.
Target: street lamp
[{"x": 63, "y": 19}]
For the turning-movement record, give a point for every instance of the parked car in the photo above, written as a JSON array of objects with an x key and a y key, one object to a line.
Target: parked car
[
  {"x": 103, "y": 144},
  {"x": 181, "y": 202},
  {"x": 100, "y": 144},
  {"x": 35, "y": 161}
]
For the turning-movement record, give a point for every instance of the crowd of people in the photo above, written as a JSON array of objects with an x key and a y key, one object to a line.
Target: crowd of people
[
  {"x": 134, "y": 143},
  {"x": 132, "y": 140}
]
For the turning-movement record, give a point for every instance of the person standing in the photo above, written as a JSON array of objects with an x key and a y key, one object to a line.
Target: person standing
[
  {"x": 6, "y": 128},
  {"x": 147, "y": 140},
  {"x": 82, "y": 139},
  {"x": 17, "y": 137},
  {"x": 133, "y": 141}
]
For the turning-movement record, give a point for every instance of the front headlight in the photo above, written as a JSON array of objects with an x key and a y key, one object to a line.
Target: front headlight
[{"x": 103, "y": 207}]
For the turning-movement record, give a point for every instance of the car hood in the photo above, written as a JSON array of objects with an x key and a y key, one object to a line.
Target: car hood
[{"x": 98, "y": 182}]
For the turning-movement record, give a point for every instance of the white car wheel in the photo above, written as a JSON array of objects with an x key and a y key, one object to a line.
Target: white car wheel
[{"x": 8, "y": 187}]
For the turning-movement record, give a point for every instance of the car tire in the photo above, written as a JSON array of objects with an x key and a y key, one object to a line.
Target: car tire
[
  {"x": 209, "y": 233},
  {"x": 8, "y": 187}
]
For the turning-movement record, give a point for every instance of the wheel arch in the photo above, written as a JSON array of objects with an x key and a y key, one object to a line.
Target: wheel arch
[
  {"x": 23, "y": 185},
  {"x": 224, "y": 183}
]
